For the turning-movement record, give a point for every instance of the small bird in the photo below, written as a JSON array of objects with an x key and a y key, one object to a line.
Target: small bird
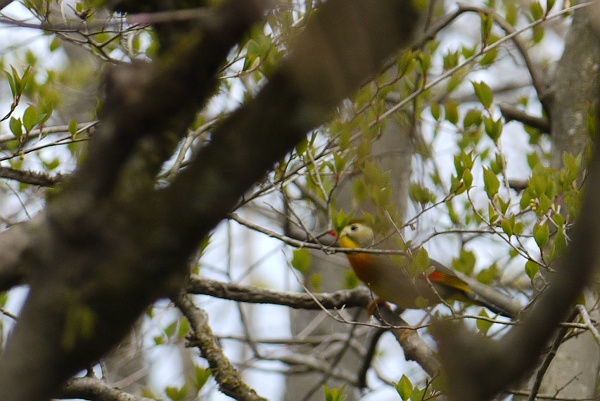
[{"x": 391, "y": 282}]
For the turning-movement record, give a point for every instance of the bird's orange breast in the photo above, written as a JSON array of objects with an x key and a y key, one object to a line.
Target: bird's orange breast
[{"x": 361, "y": 263}]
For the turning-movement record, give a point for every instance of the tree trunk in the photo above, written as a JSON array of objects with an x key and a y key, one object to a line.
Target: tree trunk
[{"x": 393, "y": 152}]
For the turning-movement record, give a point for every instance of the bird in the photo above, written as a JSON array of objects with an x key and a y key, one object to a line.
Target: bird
[{"x": 391, "y": 282}]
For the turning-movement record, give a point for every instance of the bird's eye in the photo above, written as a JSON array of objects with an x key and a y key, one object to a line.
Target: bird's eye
[{"x": 353, "y": 227}]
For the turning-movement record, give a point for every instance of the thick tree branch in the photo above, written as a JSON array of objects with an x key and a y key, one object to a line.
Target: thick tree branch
[
  {"x": 14, "y": 244},
  {"x": 85, "y": 252},
  {"x": 360, "y": 296}
]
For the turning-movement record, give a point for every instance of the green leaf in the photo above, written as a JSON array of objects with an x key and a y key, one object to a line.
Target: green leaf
[
  {"x": 489, "y": 57},
  {"x": 526, "y": 199},
  {"x": 334, "y": 394},
  {"x": 339, "y": 162},
  {"x": 16, "y": 127},
  {"x": 545, "y": 203},
  {"x": 468, "y": 52},
  {"x": 424, "y": 60},
  {"x": 484, "y": 94},
  {"x": 184, "y": 328},
  {"x": 487, "y": 276},
  {"x": 435, "y": 111},
  {"x": 493, "y": 216},
  {"x": 457, "y": 186},
  {"x": 491, "y": 182},
  {"x": 302, "y": 260},
  {"x": 560, "y": 244},
  {"x": 451, "y": 108},
  {"x": 466, "y": 261},
  {"x": 483, "y": 325},
  {"x": 51, "y": 165},
  {"x": 420, "y": 194},
  {"x": 559, "y": 220},
  {"x": 493, "y": 128},
  {"x": 519, "y": 228},
  {"x": 507, "y": 226},
  {"x": 406, "y": 63},
  {"x": 497, "y": 164},
  {"x": 541, "y": 234},
  {"x": 55, "y": 44},
  {"x": 404, "y": 387},
  {"x": 73, "y": 127},
  {"x": 451, "y": 60},
  {"x": 360, "y": 190},
  {"x": 176, "y": 394},
  {"x": 350, "y": 279},
  {"x": 341, "y": 220},
  {"x": 30, "y": 118},
  {"x": 536, "y": 10},
  {"x": 468, "y": 178},
  {"x": 512, "y": 13},
  {"x": 382, "y": 197},
  {"x": 301, "y": 147},
  {"x": 171, "y": 328},
  {"x": 316, "y": 280},
  {"x": 45, "y": 110},
  {"x": 12, "y": 83},
  {"x": 539, "y": 184},
  {"x": 201, "y": 376},
  {"x": 374, "y": 175},
  {"x": 422, "y": 261},
  {"x": 487, "y": 23},
  {"x": 452, "y": 213},
  {"x": 473, "y": 118},
  {"x": 531, "y": 269}
]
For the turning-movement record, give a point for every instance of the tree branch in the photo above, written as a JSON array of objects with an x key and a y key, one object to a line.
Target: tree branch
[
  {"x": 94, "y": 389},
  {"x": 358, "y": 297},
  {"x": 14, "y": 245},
  {"x": 85, "y": 255},
  {"x": 229, "y": 380},
  {"x": 31, "y": 177},
  {"x": 511, "y": 113}
]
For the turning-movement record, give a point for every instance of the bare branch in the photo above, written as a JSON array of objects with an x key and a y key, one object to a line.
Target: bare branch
[
  {"x": 230, "y": 381},
  {"x": 94, "y": 389},
  {"x": 359, "y": 296},
  {"x": 511, "y": 113},
  {"x": 31, "y": 177}
]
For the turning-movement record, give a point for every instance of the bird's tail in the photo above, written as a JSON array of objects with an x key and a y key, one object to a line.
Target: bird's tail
[{"x": 481, "y": 301}]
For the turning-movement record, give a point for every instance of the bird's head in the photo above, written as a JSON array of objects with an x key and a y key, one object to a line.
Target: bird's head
[{"x": 359, "y": 232}]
